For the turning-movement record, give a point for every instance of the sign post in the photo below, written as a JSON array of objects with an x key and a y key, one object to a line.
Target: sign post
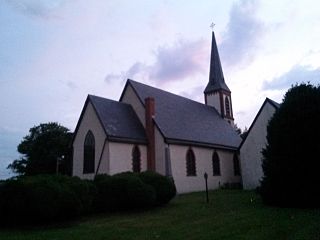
[{"x": 206, "y": 180}]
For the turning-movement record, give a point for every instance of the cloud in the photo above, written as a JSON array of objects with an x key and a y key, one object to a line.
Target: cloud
[
  {"x": 172, "y": 63},
  {"x": 181, "y": 60},
  {"x": 36, "y": 8},
  {"x": 297, "y": 74},
  {"x": 72, "y": 85},
  {"x": 193, "y": 93},
  {"x": 243, "y": 35},
  {"x": 135, "y": 71}
]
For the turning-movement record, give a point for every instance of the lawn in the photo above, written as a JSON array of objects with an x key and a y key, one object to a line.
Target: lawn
[{"x": 230, "y": 214}]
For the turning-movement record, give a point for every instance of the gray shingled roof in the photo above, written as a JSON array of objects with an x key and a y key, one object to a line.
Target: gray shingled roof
[
  {"x": 118, "y": 119},
  {"x": 182, "y": 119},
  {"x": 216, "y": 78}
]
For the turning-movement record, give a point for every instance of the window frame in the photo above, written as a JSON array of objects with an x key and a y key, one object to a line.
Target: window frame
[
  {"x": 89, "y": 153},
  {"x": 216, "y": 168},
  {"x": 191, "y": 163},
  {"x": 227, "y": 105},
  {"x": 136, "y": 159}
]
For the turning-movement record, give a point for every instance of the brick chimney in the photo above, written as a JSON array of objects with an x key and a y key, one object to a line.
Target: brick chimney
[{"x": 151, "y": 151}]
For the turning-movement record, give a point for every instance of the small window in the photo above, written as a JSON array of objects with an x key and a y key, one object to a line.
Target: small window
[
  {"x": 216, "y": 164},
  {"x": 191, "y": 163},
  {"x": 227, "y": 104},
  {"x": 236, "y": 165},
  {"x": 136, "y": 159},
  {"x": 89, "y": 153}
]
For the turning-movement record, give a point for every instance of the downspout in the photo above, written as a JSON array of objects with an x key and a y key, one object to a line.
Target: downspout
[{"x": 100, "y": 159}]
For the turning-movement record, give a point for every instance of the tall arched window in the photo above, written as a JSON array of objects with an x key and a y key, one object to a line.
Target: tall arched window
[
  {"x": 89, "y": 153},
  {"x": 236, "y": 165},
  {"x": 216, "y": 164},
  {"x": 191, "y": 163},
  {"x": 136, "y": 159},
  {"x": 227, "y": 104}
]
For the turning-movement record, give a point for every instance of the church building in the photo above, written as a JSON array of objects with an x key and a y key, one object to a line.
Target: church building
[
  {"x": 152, "y": 129},
  {"x": 251, "y": 147}
]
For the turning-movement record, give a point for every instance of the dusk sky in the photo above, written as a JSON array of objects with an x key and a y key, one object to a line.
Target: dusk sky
[{"x": 55, "y": 52}]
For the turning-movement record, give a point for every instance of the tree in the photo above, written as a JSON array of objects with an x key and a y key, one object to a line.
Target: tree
[
  {"x": 42, "y": 148},
  {"x": 291, "y": 158}
]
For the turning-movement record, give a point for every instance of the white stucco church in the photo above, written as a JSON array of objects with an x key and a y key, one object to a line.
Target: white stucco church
[{"x": 151, "y": 129}]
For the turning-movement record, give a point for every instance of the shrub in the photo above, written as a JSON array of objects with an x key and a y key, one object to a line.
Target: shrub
[
  {"x": 122, "y": 191},
  {"x": 85, "y": 191},
  {"x": 140, "y": 195},
  {"x": 13, "y": 204},
  {"x": 164, "y": 186},
  {"x": 102, "y": 199},
  {"x": 43, "y": 198}
]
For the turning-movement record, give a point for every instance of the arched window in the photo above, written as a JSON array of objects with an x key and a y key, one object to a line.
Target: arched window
[
  {"x": 191, "y": 163},
  {"x": 236, "y": 165},
  {"x": 136, "y": 159},
  {"x": 216, "y": 164},
  {"x": 89, "y": 153},
  {"x": 227, "y": 104}
]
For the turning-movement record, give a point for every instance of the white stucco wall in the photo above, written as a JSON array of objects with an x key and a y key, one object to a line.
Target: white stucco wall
[
  {"x": 121, "y": 157},
  {"x": 130, "y": 97},
  {"x": 250, "y": 151},
  {"x": 203, "y": 157},
  {"x": 214, "y": 101},
  {"x": 91, "y": 122}
]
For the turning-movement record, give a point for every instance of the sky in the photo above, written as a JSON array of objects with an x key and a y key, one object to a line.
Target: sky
[{"x": 53, "y": 53}]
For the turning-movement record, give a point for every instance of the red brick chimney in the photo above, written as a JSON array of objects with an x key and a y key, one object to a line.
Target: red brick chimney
[{"x": 151, "y": 150}]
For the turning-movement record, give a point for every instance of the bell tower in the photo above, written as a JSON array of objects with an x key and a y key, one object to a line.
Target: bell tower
[{"x": 217, "y": 94}]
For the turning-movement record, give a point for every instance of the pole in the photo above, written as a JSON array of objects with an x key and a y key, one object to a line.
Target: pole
[{"x": 206, "y": 180}]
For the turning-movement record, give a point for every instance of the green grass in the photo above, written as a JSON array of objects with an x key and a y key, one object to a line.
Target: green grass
[{"x": 231, "y": 214}]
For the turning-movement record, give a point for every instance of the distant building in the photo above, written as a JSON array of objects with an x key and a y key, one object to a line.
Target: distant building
[
  {"x": 151, "y": 129},
  {"x": 252, "y": 145}
]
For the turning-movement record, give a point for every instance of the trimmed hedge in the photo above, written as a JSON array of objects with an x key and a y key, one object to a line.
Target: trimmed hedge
[
  {"x": 47, "y": 198},
  {"x": 44, "y": 198}
]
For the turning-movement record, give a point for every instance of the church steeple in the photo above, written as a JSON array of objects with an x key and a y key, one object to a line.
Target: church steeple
[
  {"x": 217, "y": 94},
  {"x": 216, "y": 78}
]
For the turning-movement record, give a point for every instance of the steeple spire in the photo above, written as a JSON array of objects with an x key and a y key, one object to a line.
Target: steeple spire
[
  {"x": 217, "y": 94},
  {"x": 216, "y": 78}
]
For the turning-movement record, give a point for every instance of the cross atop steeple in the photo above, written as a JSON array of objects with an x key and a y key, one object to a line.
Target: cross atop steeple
[{"x": 212, "y": 26}]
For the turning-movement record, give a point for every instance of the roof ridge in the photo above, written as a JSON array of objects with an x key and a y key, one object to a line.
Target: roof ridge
[
  {"x": 111, "y": 100},
  {"x": 274, "y": 103},
  {"x": 136, "y": 82}
]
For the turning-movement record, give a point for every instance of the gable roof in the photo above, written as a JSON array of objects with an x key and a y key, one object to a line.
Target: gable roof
[
  {"x": 216, "y": 78},
  {"x": 184, "y": 121},
  {"x": 118, "y": 120},
  {"x": 267, "y": 100}
]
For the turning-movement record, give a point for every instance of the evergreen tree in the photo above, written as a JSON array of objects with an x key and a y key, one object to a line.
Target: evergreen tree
[{"x": 291, "y": 158}]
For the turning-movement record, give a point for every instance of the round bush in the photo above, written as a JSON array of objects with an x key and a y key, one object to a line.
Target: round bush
[
  {"x": 164, "y": 186},
  {"x": 123, "y": 191},
  {"x": 140, "y": 195},
  {"x": 85, "y": 190}
]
